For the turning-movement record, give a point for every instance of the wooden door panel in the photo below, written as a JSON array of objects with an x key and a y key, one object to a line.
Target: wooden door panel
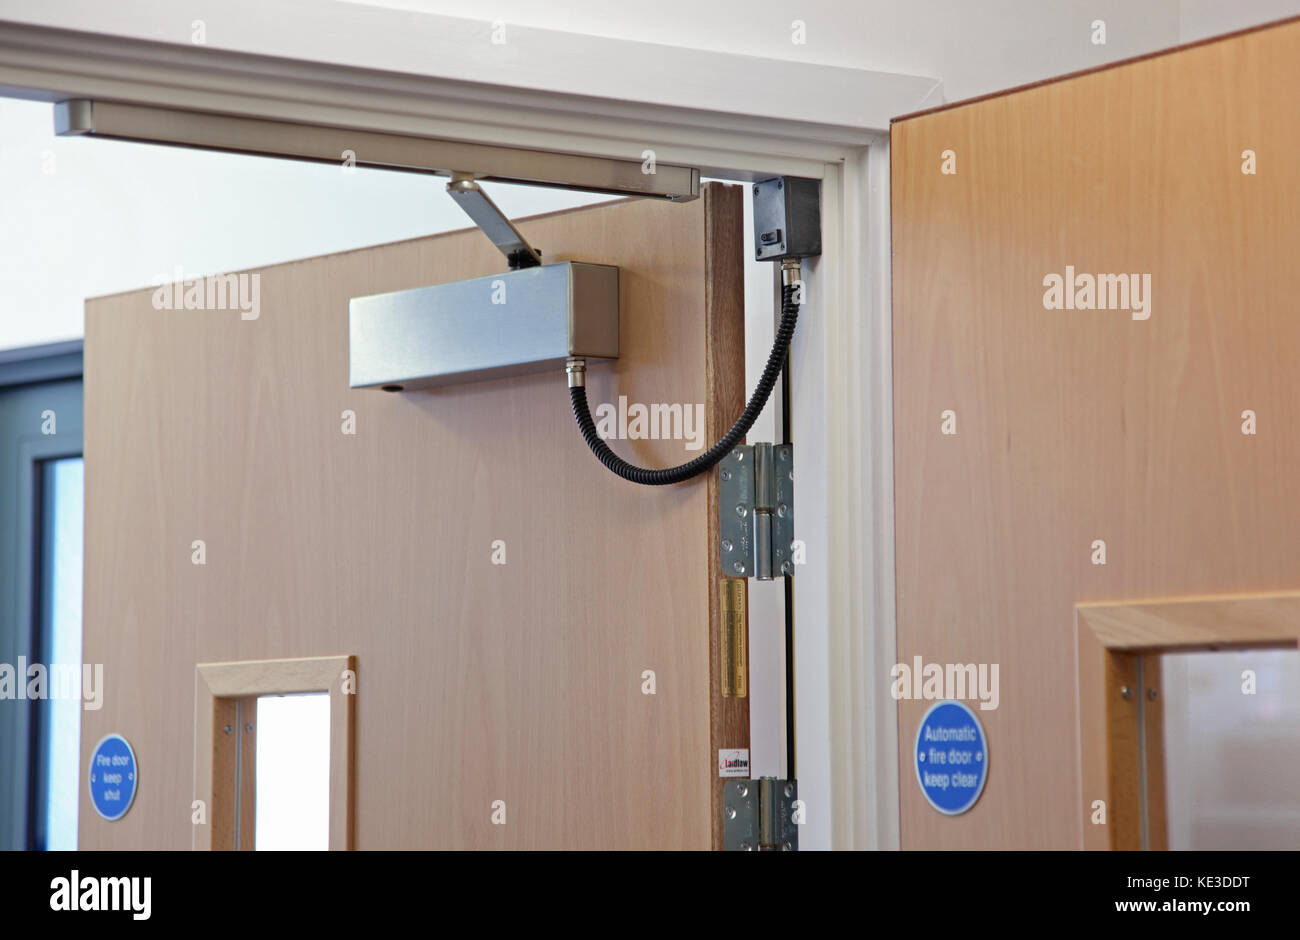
[
  {"x": 1082, "y": 425},
  {"x": 520, "y": 682}
]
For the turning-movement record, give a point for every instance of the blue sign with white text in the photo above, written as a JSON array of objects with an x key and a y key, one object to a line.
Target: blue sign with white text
[
  {"x": 112, "y": 777},
  {"x": 952, "y": 757}
]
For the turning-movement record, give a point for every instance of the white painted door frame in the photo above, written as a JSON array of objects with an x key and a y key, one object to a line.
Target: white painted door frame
[{"x": 358, "y": 67}]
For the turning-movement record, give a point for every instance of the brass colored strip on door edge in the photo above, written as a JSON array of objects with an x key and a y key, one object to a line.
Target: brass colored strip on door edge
[{"x": 735, "y": 630}]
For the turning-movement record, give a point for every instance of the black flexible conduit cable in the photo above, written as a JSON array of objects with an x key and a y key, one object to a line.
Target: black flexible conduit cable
[{"x": 710, "y": 458}]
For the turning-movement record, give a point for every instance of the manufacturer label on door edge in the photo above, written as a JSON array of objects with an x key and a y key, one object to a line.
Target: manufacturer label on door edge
[{"x": 733, "y": 762}]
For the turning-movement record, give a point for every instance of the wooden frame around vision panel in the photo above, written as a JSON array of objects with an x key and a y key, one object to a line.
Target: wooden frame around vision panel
[
  {"x": 217, "y": 689},
  {"x": 1116, "y": 731}
]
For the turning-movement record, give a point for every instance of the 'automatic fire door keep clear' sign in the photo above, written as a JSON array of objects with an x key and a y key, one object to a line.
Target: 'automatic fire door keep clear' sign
[{"x": 952, "y": 757}]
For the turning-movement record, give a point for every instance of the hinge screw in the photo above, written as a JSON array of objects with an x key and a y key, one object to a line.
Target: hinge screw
[
  {"x": 789, "y": 789},
  {"x": 1126, "y": 693},
  {"x": 746, "y": 847},
  {"x": 742, "y": 511},
  {"x": 782, "y": 510},
  {"x": 725, "y": 474},
  {"x": 726, "y": 545},
  {"x": 740, "y": 569},
  {"x": 731, "y": 812},
  {"x": 742, "y": 790}
]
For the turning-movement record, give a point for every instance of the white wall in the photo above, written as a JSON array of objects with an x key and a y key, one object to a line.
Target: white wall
[
  {"x": 1201, "y": 19},
  {"x": 84, "y": 217},
  {"x": 975, "y": 46}
]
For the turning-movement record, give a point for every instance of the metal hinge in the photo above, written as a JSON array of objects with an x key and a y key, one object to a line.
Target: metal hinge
[
  {"x": 759, "y": 815},
  {"x": 756, "y": 511}
]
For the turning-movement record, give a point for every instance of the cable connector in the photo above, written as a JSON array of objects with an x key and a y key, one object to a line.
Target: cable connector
[
  {"x": 791, "y": 271},
  {"x": 577, "y": 369}
]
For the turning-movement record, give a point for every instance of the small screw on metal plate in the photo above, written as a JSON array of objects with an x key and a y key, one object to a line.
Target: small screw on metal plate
[
  {"x": 1126, "y": 693},
  {"x": 726, "y": 474},
  {"x": 740, "y": 569},
  {"x": 746, "y": 847},
  {"x": 742, "y": 511},
  {"x": 789, "y": 789},
  {"x": 731, "y": 812},
  {"x": 742, "y": 790},
  {"x": 726, "y": 545}
]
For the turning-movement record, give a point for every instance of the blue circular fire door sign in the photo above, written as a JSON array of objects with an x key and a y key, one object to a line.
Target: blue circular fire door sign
[
  {"x": 112, "y": 777},
  {"x": 952, "y": 757}
]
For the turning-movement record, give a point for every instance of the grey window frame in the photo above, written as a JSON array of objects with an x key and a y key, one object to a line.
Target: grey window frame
[{"x": 31, "y": 380}]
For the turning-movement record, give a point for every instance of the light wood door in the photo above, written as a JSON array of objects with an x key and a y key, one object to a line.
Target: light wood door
[
  {"x": 521, "y": 682},
  {"x": 1080, "y": 426}
]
